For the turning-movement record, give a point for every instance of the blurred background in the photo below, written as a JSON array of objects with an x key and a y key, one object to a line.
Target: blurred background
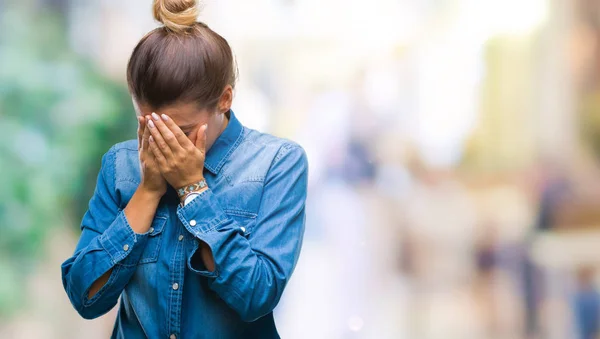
[{"x": 454, "y": 148}]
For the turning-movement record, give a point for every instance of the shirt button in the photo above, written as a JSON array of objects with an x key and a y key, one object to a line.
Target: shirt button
[
  {"x": 151, "y": 230},
  {"x": 192, "y": 223},
  {"x": 126, "y": 248},
  {"x": 172, "y": 336},
  {"x": 243, "y": 229},
  {"x": 181, "y": 237},
  {"x": 175, "y": 286}
]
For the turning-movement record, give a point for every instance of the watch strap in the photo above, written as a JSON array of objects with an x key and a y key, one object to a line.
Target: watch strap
[{"x": 191, "y": 188}]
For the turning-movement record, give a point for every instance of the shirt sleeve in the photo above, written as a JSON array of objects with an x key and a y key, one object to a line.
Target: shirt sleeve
[
  {"x": 107, "y": 242},
  {"x": 251, "y": 271}
]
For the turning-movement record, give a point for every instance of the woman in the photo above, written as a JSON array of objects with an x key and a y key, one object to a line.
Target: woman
[{"x": 197, "y": 225}]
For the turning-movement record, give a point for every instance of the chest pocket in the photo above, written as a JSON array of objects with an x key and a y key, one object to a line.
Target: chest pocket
[
  {"x": 245, "y": 220},
  {"x": 155, "y": 235},
  {"x": 240, "y": 202}
]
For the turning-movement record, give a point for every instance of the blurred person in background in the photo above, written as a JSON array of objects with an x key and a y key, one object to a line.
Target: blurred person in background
[
  {"x": 553, "y": 190},
  {"x": 197, "y": 225},
  {"x": 586, "y": 305},
  {"x": 486, "y": 258}
]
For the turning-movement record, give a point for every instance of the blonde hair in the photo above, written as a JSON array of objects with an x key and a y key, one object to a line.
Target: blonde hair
[{"x": 176, "y": 15}]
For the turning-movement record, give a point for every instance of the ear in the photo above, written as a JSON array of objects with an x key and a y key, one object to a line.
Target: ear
[{"x": 226, "y": 99}]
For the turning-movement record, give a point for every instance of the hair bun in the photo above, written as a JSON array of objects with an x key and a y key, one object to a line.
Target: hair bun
[{"x": 176, "y": 15}]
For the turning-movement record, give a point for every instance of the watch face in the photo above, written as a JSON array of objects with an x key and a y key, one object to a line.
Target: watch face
[{"x": 189, "y": 198}]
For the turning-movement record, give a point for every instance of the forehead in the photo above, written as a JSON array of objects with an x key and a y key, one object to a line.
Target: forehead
[{"x": 184, "y": 115}]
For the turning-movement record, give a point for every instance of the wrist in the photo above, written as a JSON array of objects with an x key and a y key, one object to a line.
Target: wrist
[
  {"x": 141, "y": 209},
  {"x": 188, "y": 197},
  {"x": 148, "y": 195},
  {"x": 197, "y": 186}
]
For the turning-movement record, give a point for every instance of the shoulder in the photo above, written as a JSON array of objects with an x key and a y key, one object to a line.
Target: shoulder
[
  {"x": 129, "y": 145},
  {"x": 121, "y": 160},
  {"x": 123, "y": 149},
  {"x": 270, "y": 148},
  {"x": 261, "y": 155}
]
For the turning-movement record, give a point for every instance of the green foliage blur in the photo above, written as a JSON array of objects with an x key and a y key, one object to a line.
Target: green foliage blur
[{"x": 58, "y": 115}]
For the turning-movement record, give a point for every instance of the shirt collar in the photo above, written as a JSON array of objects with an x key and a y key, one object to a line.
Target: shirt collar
[{"x": 225, "y": 144}]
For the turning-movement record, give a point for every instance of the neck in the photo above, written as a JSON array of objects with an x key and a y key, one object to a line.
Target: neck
[{"x": 224, "y": 121}]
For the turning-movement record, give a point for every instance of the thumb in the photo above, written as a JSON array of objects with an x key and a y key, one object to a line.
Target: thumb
[{"x": 201, "y": 138}]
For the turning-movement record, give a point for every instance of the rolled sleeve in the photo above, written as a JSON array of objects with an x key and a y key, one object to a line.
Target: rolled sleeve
[
  {"x": 203, "y": 214},
  {"x": 205, "y": 220},
  {"x": 107, "y": 242},
  {"x": 121, "y": 243}
]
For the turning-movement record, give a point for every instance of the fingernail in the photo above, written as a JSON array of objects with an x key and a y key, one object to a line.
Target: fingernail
[
  {"x": 151, "y": 123},
  {"x": 205, "y": 126},
  {"x": 165, "y": 117},
  {"x": 151, "y": 139},
  {"x": 155, "y": 116}
]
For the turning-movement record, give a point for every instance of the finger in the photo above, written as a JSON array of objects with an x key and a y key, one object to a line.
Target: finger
[
  {"x": 182, "y": 139},
  {"x": 193, "y": 137},
  {"x": 145, "y": 135},
  {"x": 158, "y": 155},
  {"x": 167, "y": 134},
  {"x": 201, "y": 138},
  {"x": 159, "y": 140},
  {"x": 140, "y": 130}
]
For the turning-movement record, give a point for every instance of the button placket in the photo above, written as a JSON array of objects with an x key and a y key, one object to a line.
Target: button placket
[{"x": 177, "y": 275}]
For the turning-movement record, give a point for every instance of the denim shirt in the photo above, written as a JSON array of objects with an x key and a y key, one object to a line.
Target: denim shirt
[{"x": 252, "y": 217}]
